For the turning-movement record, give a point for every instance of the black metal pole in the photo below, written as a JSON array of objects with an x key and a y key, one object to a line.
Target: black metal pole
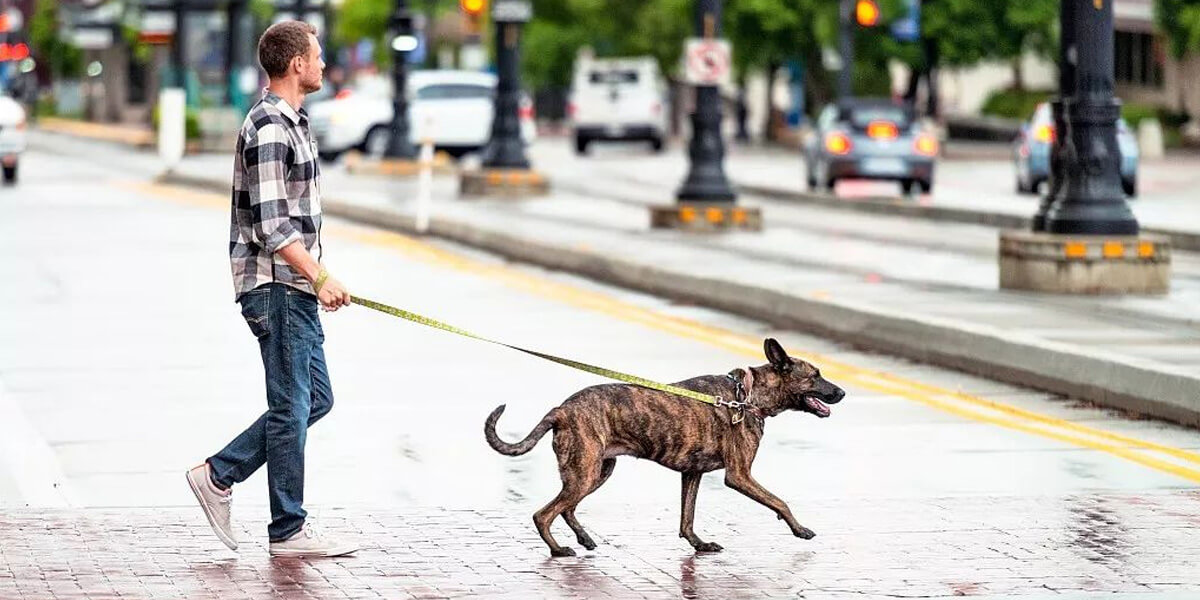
[
  {"x": 430, "y": 17},
  {"x": 846, "y": 49},
  {"x": 399, "y": 145},
  {"x": 505, "y": 148},
  {"x": 1067, "y": 54},
  {"x": 301, "y": 7},
  {"x": 179, "y": 46},
  {"x": 233, "y": 48},
  {"x": 706, "y": 181},
  {"x": 1092, "y": 201}
]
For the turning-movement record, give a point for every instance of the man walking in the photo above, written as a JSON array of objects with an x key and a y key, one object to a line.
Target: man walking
[{"x": 275, "y": 250}]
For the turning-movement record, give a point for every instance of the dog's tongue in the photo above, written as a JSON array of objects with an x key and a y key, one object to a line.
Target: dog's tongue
[{"x": 817, "y": 406}]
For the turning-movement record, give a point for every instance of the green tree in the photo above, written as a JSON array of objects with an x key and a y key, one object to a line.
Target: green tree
[
  {"x": 610, "y": 27},
  {"x": 1180, "y": 21},
  {"x": 1026, "y": 27},
  {"x": 64, "y": 59}
]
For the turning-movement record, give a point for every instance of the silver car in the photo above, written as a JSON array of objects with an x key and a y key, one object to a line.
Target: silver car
[
  {"x": 1031, "y": 152},
  {"x": 870, "y": 138}
]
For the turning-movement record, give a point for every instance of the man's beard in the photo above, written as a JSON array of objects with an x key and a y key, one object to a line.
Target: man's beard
[{"x": 311, "y": 87}]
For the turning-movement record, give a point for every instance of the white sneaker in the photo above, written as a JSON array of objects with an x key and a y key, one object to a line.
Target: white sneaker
[
  {"x": 309, "y": 541},
  {"x": 214, "y": 501}
]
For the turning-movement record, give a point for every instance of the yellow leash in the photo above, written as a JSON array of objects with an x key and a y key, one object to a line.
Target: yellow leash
[{"x": 574, "y": 364}]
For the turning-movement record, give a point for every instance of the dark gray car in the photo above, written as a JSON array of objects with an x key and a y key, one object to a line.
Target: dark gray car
[{"x": 870, "y": 138}]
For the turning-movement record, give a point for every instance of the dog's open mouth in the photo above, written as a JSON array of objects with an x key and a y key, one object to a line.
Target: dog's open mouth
[{"x": 816, "y": 407}]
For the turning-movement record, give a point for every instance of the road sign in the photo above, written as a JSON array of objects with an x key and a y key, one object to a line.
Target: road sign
[
  {"x": 512, "y": 11},
  {"x": 706, "y": 61}
]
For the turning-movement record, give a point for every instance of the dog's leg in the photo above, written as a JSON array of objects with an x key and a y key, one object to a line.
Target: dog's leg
[
  {"x": 584, "y": 539},
  {"x": 746, "y": 484},
  {"x": 579, "y": 467},
  {"x": 691, "y": 486}
]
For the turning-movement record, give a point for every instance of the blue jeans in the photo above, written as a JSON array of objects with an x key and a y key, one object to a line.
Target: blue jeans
[{"x": 288, "y": 329}]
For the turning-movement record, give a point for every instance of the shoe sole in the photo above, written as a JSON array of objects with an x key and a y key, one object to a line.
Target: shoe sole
[
  {"x": 309, "y": 554},
  {"x": 225, "y": 539}
]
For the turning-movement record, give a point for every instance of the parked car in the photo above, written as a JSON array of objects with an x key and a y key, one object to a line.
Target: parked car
[
  {"x": 1031, "y": 152},
  {"x": 869, "y": 138},
  {"x": 12, "y": 137},
  {"x": 617, "y": 99},
  {"x": 454, "y": 108}
]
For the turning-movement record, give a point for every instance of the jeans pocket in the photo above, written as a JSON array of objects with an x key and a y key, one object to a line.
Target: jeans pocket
[{"x": 255, "y": 309}]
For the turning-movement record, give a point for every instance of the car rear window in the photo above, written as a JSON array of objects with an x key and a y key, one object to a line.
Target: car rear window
[
  {"x": 861, "y": 116},
  {"x": 617, "y": 76},
  {"x": 453, "y": 91}
]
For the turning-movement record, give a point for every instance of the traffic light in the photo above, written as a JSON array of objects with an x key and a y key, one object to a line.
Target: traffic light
[
  {"x": 473, "y": 11},
  {"x": 473, "y": 8},
  {"x": 865, "y": 11}
]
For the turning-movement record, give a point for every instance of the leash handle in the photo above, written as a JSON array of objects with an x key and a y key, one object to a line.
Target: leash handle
[{"x": 574, "y": 364}]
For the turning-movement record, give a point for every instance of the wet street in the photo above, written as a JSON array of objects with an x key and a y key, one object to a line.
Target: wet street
[{"x": 124, "y": 361}]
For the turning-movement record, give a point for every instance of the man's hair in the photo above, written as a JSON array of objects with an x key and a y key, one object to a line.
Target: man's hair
[{"x": 282, "y": 42}]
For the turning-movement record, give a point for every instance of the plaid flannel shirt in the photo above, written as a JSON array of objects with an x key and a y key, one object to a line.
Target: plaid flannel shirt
[{"x": 276, "y": 195}]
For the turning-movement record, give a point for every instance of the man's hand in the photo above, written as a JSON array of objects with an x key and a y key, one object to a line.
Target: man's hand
[{"x": 333, "y": 295}]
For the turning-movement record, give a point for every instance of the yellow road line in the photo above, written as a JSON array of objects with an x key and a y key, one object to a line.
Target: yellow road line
[{"x": 951, "y": 401}]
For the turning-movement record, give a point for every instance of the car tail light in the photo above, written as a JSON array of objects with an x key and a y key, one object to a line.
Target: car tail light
[
  {"x": 21, "y": 125},
  {"x": 837, "y": 143},
  {"x": 343, "y": 94},
  {"x": 525, "y": 112},
  {"x": 1044, "y": 134},
  {"x": 571, "y": 110},
  {"x": 926, "y": 145},
  {"x": 882, "y": 130}
]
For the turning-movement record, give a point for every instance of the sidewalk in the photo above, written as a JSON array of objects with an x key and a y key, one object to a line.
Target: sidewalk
[
  {"x": 977, "y": 192},
  {"x": 129, "y": 135},
  {"x": 1086, "y": 546},
  {"x": 922, "y": 290}
]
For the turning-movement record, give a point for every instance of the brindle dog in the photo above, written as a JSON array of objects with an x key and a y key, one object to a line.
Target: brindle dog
[{"x": 598, "y": 424}]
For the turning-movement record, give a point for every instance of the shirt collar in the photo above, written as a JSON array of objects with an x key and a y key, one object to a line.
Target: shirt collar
[{"x": 271, "y": 98}]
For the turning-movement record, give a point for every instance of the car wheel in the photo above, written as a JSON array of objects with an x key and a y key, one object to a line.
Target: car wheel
[
  {"x": 1130, "y": 187},
  {"x": 328, "y": 156},
  {"x": 10, "y": 175},
  {"x": 1021, "y": 187},
  {"x": 376, "y": 142},
  {"x": 926, "y": 186},
  {"x": 906, "y": 186},
  {"x": 581, "y": 145},
  {"x": 656, "y": 144}
]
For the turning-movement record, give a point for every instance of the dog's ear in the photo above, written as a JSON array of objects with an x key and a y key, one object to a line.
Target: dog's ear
[{"x": 776, "y": 354}]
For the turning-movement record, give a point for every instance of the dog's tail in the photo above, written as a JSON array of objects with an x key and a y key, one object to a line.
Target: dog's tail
[{"x": 521, "y": 447}]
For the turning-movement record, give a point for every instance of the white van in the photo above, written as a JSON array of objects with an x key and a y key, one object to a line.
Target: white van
[{"x": 617, "y": 99}]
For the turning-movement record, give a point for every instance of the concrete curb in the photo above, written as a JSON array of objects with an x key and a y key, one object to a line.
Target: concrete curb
[
  {"x": 892, "y": 205},
  {"x": 1113, "y": 381}
]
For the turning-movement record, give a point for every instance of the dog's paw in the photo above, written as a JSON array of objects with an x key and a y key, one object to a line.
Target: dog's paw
[
  {"x": 564, "y": 551},
  {"x": 708, "y": 547},
  {"x": 805, "y": 533}
]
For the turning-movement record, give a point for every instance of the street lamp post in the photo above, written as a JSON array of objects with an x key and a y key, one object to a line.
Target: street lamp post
[
  {"x": 505, "y": 148},
  {"x": 1067, "y": 53},
  {"x": 846, "y": 48},
  {"x": 706, "y": 181},
  {"x": 179, "y": 45},
  {"x": 402, "y": 43},
  {"x": 1091, "y": 200}
]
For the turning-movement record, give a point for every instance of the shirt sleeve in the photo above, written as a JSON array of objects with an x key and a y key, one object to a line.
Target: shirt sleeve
[{"x": 265, "y": 156}]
